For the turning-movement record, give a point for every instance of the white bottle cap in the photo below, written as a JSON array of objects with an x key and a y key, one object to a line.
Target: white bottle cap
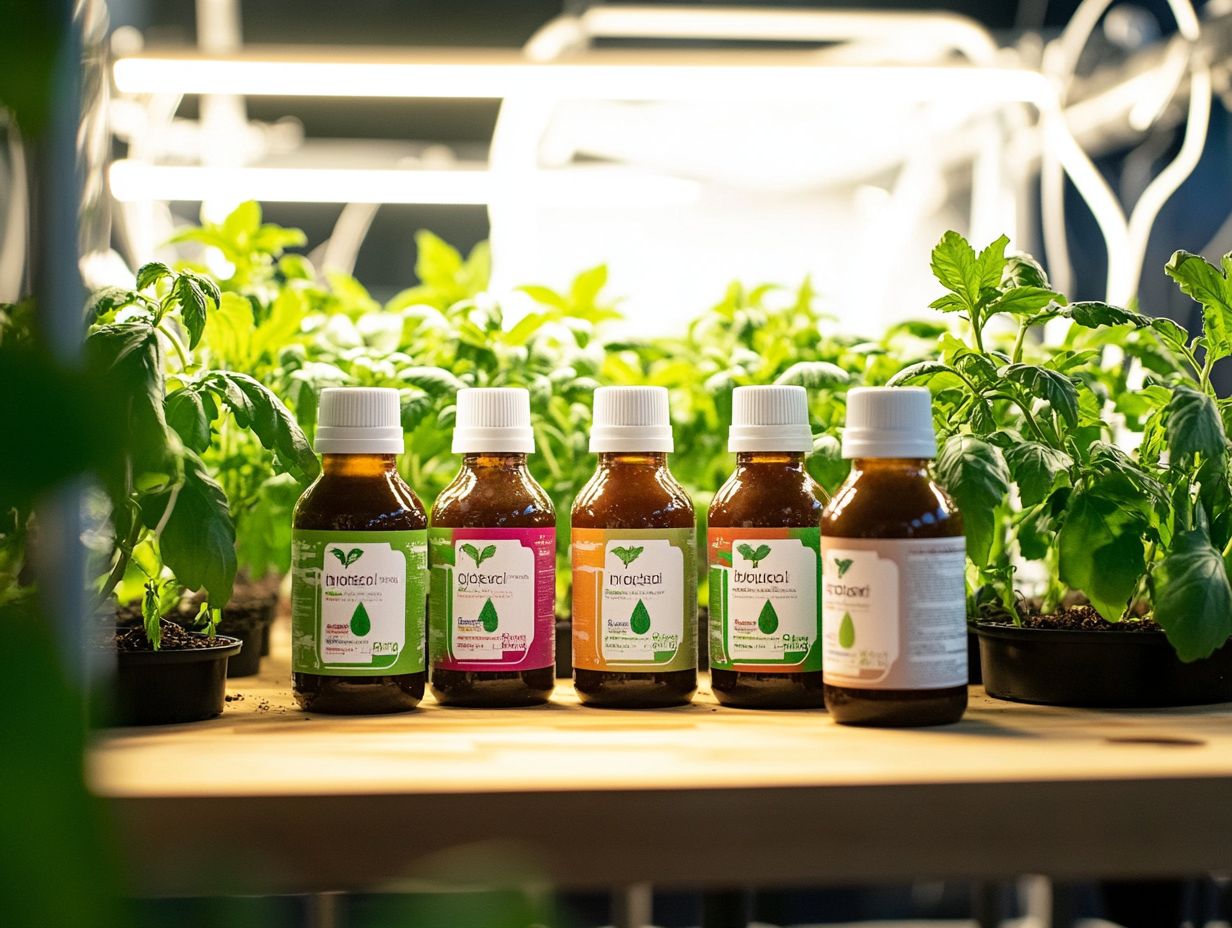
[
  {"x": 770, "y": 419},
  {"x": 631, "y": 419},
  {"x": 889, "y": 422},
  {"x": 359, "y": 420},
  {"x": 493, "y": 419}
]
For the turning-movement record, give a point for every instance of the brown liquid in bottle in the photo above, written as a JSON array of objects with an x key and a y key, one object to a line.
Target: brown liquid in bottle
[
  {"x": 634, "y": 491},
  {"x": 493, "y": 491},
  {"x": 767, "y": 490},
  {"x": 892, "y": 498},
  {"x": 359, "y": 493}
]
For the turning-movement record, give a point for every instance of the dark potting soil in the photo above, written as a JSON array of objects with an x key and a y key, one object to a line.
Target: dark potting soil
[
  {"x": 175, "y": 638},
  {"x": 1078, "y": 618}
]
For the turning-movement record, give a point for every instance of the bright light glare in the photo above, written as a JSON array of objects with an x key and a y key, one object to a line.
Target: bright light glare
[
  {"x": 624, "y": 79},
  {"x": 134, "y": 181}
]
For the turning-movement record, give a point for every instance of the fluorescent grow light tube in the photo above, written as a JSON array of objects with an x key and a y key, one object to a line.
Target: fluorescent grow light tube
[
  {"x": 135, "y": 181},
  {"x": 618, "y": 76}
]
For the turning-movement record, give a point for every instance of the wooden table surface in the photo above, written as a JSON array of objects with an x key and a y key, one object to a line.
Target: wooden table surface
[{"x": 270, "y": 799}]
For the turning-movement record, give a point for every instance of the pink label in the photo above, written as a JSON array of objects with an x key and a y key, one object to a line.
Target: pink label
[{"x": 492, "y": 597}]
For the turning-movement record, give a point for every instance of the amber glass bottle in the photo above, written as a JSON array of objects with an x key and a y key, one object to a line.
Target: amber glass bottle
[
  {"x": 492, "y": 553},
  {"x": 634, "y": 561},
  {"x": 765, "y": 563},
  {"x": 359, "y": 565},
  {"x": 894, "y": 626}
]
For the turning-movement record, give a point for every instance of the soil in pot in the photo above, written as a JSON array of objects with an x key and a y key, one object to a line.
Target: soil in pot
[
  {"x": 184, "y": 681},
  {"x": 1076, "y": 658}
]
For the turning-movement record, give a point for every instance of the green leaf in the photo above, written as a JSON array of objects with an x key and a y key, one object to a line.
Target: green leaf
[
  {"x": 1101, "y": 551},
  {"x": 257, "y": 408},
  {"x": 436, "y": 381},
  {"x": 1092, "y": 314},
  {"x": 973, "y": 473},
  {"x": 991, "y": 264},
  {"x": 352, "y": 556},
  {"x": 361, "y": 623},
  {"x": 639, "y": 621},
  {"x": 1210, "y": 287},
  {"x": 843, "y": 564},
  {"x": 1037, "y": 469},
  {"x": 191, "y": 298},
  {"x": 762, "y": 552},
  {"x": 150, "y": 273},
  {"x": 198, "y": 538},
  {"x": 746, "y": 551},
  {"x": 1053, "y": 387},
  {"x": 814, "y": 375},
  {"x": 1023, "y": 301},
  {"x": 954, "y": 266},
  {"x": 488, "y": 617},
  {"x": 1193, "y": 601},
  {"x": 472, "y": 552},
  {"x": 847, "y": 631},
  {"x": 1170, "y": 333},
  {"x": 340, "y": 555},
  {"x": 768, "y": 619},
  {"x": 1194, "y": 425},
  {"x": 921, "y": 370},
  {"x": 187, "y": 415},
  {"x": 489, "y": 551},
  {"x": 151, "y": 614},
  {"x": 437, "y": 263},
  {"x": 1022, "y": 270}
]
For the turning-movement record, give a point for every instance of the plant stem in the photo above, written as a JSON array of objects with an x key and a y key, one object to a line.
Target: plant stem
[
  {"x": 1024, "y": 326},
  {"x": 1026, "y": 411},
  {"x": 119, "y": 568},
  {"x": 175, "y": 343}
]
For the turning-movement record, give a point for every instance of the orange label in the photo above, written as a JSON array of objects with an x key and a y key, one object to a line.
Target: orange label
[{"x": 634, "y": 599}]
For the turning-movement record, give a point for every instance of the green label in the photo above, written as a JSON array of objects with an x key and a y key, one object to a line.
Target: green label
[
  {"x": 358, "y": 602},
  {"x": 765, "y": 599}
]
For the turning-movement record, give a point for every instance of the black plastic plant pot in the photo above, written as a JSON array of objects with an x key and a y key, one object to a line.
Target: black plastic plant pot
[
  {"x": 250, "y": 629},
  {"x": 166, "y": 687},
  {"x": 975, "y": 675},
  {"x": 1110, "y": 669}
]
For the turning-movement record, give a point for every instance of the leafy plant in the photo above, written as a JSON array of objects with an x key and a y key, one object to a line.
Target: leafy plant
[
  {"x": 1029, "y": 445},
  {"x": 170, "y": 517}
]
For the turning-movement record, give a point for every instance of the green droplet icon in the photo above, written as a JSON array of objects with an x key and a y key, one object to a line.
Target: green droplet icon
[
  {"x": 488, "y": 617},
  {"x": 847, "y": 631},
  {"x": 360, "y": 623},
  {"x": 768, "y": 620},
  {"x": 640, "y": 620}
]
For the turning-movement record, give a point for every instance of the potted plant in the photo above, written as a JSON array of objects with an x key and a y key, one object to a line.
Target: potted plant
[
  {"x": 171, "y": 526},
  {"x": 1098, "y": 576}
]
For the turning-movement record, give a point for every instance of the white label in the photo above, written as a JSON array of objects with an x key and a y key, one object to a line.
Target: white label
[
  {"x": 363, "y": 603},
  {"x": 772, "y": 601},
  {"x": 642, "y": 611},
  {"x": 493, "y": 600},
  {"x": 894, "y": 613}
]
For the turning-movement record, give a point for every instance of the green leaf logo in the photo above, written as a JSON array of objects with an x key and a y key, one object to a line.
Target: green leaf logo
[
  {"x": 347, "y": 558},
  {"x": 768, "y": 620},
  {"x": 360, "y": 623},
  {"x": 640, "y": 620},
  {"x": 628, "y": 556},
  {"x": 843, "y": 564},
  {"x": 756, "y": 555},
  {"x": 488, "y": 617},
  {"x": 476, "y": 555},
  {"x": 847, "y": 631}
]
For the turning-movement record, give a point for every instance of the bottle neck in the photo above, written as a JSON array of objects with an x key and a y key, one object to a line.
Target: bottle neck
[
  {"x": 791, "y": 459},
  {"x": 493, "y": 460},
  {"x": 903, "y": 467},
  {"x": 359, "y": 465},
  {"x": 647, "y": 460}
]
